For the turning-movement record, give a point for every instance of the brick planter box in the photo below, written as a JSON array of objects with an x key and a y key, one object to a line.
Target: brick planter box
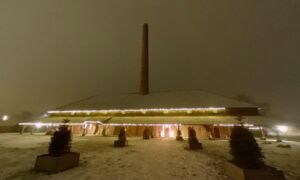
[
  {"x": 119, "y": 143},
  {"x": 146, "y": 137},
  {"x": 195, "y": 146},
  {"x": 265, "y": 173},
  {"x": 179, "y": 138},
  {"x": 51, "y": 164}
]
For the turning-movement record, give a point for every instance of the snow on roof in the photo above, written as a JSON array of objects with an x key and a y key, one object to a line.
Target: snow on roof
[{"x": 167, "y": 99}]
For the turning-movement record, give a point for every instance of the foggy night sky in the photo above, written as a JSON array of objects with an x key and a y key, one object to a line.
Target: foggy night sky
[{"x": 53, "y": 52}]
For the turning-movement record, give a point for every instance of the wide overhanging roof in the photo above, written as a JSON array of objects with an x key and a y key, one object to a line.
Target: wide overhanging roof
[
  {"x": 181, "y": 107},
  {"x": 155, "y": 100},
  {"x": 180, "y": 103}
]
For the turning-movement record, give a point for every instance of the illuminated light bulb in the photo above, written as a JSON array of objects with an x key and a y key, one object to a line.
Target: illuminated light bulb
[
  {"x": 216, "y": 109},
  {"x": 282, "y": 129},
  {"x": 5, "y": 118},
  {"x": 143, "y": 112},
  {"x": 38, "y": 125},
  {"x": 189, "y": 111},
  {"x": 166, "y": 111}
]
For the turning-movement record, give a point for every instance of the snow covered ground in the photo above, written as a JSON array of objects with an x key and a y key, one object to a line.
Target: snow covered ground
[{"x": 142, "y": 159}]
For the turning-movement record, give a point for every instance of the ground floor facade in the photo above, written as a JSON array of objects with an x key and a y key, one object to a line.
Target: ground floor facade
[
  {"x": 206, "y": 127},
  {"x": 203, "y": 131}
]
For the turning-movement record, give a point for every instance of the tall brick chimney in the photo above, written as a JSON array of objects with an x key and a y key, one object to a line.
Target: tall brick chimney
[{"x": 144, "y": 83}]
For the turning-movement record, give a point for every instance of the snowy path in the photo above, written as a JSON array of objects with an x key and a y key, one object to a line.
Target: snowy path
[{"x": 143, "y": 159}]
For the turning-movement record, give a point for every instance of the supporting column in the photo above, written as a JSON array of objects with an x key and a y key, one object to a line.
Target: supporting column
[
  {"x": 31, "y": 130},
  {"x": 23, "y": 129},
  {"x": 104, "y": 131},
  {"x": 151, "y": 132},
  {"x": 278, "y": 139},
  {"x": 96, "y": 129},
  {"x": 84, "y": 131},
  {"x": 229, "y": 132},
  {"x": 146, "y": 133},
  {"x": 263, "y": 137},
  {"x": 72, "y": 129},
  {"x": 209, "y": 130}
]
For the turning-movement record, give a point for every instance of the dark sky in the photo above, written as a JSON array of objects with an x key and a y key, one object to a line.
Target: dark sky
[{"x": 53, "y": 52}]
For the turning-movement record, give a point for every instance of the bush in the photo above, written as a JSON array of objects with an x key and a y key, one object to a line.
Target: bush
[
  {"x": 178, "y": 136},
  {"x": 178, "y": 133},
  {"x": 244, "y": 149},
  {"x": 192, "y": 135},
  {"x": 60, "y": 142},
  {"x": 122, "y": 134},
  {"x": 193, "y": 141}
]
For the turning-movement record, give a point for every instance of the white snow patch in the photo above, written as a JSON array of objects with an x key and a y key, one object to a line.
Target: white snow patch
[{"x": 142, "y": 159}]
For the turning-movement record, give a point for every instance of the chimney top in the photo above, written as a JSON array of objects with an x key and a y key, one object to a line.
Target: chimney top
[{"x": 144, "y": 83}]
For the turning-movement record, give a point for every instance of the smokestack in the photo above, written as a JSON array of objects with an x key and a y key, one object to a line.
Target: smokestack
[{"x": 144, "y": 84}]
